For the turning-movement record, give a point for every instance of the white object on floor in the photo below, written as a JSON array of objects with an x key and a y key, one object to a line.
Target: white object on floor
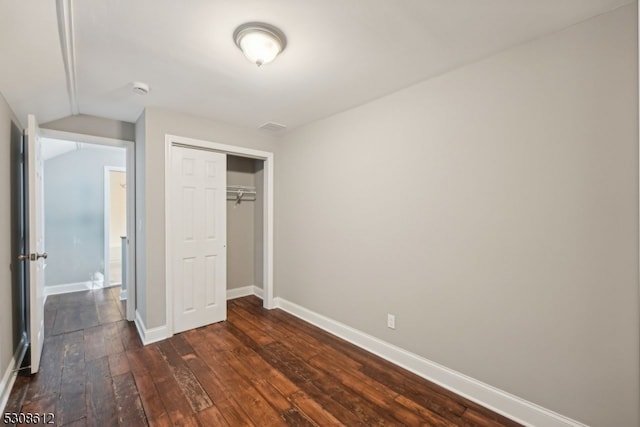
[{"x": 97, "y": 280}]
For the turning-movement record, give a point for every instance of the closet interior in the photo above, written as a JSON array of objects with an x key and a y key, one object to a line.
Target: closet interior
[{"x": 245, "y": 191}]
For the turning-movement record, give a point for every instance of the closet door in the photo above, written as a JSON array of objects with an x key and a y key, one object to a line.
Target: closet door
[{"x": 199, "y": 241}]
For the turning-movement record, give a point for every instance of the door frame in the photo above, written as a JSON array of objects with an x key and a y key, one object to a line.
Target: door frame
[
  {"x": 107, "y": 221},
  {"x": 267, "y": 218},
  {"x": 131, "y": 199}
]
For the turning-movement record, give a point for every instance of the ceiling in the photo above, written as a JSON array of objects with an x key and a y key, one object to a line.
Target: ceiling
[
  {"x": 57, "y": 147},
  {"x": 339, "y": 53}
]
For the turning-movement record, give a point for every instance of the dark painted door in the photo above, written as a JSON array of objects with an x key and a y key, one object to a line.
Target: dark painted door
[{"x": 18, "y": 236}]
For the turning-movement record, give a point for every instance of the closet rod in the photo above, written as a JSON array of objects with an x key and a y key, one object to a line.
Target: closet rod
[
  {"x": 239, "y": 193},
  {"x": 240, "y": 187}
]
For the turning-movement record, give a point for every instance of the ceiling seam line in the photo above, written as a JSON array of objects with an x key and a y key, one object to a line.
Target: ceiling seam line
[{"x": 67, "y": 45}]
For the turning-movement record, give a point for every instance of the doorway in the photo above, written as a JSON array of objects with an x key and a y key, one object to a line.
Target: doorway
[
  {"x": 115, "y": 228},
  {"x": 266, "y": 215},
  {"x": 77, "y": 214}
]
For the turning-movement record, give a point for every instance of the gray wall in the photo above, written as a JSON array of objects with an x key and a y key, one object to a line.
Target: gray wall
[
  {"x": 7, "y": 315},
  {"x": 74, "y": 212},
  {"x": 151, "y": 129},
  {"x": 494, "y": 211},
  {"x": 96, "y": 126}
]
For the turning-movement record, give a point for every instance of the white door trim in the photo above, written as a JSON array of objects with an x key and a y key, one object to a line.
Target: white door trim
[
  {"x": 131, "y": 198},
  {"x": 267, "y": 238},
  {"x": 107, "y": 221}
]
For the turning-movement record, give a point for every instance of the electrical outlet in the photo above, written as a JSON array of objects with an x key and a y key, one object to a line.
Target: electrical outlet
[{"x": 391, "y": 321}]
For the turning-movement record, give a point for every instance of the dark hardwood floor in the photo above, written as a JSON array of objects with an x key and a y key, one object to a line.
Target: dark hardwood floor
[{"x": 259, "y": 368}]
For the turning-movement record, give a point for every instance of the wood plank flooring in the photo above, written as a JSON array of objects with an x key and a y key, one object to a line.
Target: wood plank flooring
[{"x": 259, "y": 368}]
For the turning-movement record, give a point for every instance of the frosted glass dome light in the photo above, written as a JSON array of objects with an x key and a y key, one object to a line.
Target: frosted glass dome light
[{"x": 259, "y": 42}]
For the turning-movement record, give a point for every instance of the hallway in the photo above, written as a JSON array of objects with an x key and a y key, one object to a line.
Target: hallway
[{"x": 85, "y": 344}]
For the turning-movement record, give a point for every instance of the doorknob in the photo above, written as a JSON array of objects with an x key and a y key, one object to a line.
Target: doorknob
[
  {"x": 42, "y": 255},
  {"x": 23, "y": 257}
]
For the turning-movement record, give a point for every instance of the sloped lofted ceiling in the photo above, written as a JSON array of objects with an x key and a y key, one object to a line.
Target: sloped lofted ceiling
[{"x": 339, "y": 54}]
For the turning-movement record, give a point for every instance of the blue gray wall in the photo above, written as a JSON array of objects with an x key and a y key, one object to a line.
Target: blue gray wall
[{"x": 74, "y": 212}]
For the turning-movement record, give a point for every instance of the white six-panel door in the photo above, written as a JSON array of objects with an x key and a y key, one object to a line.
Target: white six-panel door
[{"x": 199, "y": 246}]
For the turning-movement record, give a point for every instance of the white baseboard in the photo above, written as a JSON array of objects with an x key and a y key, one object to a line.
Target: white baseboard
[
  {"x": 513, "y": 407},
  {"x": 68, "y": 288},
  {"x": 123, "y": 294},
  {"x": 152, "y": 335},
  {"x": 259, "y": 292},
  {"x": 244, "y": 291},
  {"x": 9, "y": 377},
  {"x": 160, "y": 333}
]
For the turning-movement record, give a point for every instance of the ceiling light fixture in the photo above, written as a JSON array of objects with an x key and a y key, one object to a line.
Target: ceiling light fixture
[{"x": 259, "y": 42}]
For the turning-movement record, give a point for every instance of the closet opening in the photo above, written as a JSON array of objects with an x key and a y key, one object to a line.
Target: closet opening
[{"x": 245, "y": 205}]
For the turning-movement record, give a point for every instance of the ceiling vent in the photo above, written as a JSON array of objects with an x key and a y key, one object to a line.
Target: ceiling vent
[{"x": 272, "y": 127}]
